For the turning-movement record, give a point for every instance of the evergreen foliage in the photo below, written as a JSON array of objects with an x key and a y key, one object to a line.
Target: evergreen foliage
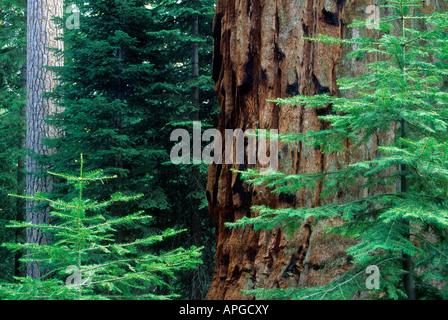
[
  {"x": 83, "y": 243},
  {"x": 404, "y": 216},
  {"x": 184, "y": 185},
  {"x": 12, "y": 124},
  {"x": 125, "y": 85}
]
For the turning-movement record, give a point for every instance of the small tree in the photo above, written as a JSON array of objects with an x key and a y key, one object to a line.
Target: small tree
[
  {"x": 84, "y": 245},
  {"x": 401, "y": 224}
]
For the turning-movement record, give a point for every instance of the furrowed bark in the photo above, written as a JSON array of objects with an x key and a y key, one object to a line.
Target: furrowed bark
[
  {"x": 260, "y": 54},
  {"x": 41, "y": 35}
]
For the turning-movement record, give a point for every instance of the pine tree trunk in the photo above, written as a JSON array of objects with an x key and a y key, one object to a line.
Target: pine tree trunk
[
  {"x": 195, "y": 60},
  {"x": 41, "y": 35},
  {"x": 408, "y": 277},
  {"x": 195, "y": 223},
  {"x": 260, "y": 54}
]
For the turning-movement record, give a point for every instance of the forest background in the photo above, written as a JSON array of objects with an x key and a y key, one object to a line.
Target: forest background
[
  {"x": 164, "y": 66},
  {"x": 92, "y": 206}
]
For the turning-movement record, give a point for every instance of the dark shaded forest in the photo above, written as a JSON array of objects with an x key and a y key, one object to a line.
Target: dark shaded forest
[{"x": 215, "y": 150}]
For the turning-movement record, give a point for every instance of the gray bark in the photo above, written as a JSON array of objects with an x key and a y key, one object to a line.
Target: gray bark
[{"x": 41, "y": 35}]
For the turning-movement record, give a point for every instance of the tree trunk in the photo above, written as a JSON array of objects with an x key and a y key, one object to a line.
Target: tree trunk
[
  {"x": 41, "y": 35},
  {"x": 260, "y": 54},
  {"x": 195, "y": 222},
  {"x": 408, "y": 277},
  {"x": 195, "y": 61}
]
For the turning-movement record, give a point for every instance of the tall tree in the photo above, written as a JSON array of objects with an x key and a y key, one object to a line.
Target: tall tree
[
  {"x": 42, "y": 39},
  {"x": 281, "y": 61},
  {"x": 261, "y": 53},
  {"x": 400, "y": 233}
]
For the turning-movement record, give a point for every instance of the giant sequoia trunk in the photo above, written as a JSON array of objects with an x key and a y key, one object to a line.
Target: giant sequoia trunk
[
  {"x": 42, "y": 34},
  {"x": 260, "y": 54}
]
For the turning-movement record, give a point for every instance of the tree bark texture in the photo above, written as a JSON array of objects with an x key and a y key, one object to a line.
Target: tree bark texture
[
  {"x": 260, "y": 54},
  {"x": 41, "y": 35}
]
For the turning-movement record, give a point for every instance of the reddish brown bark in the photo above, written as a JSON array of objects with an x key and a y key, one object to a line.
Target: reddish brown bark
[{"x": 260, "y": 54}]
